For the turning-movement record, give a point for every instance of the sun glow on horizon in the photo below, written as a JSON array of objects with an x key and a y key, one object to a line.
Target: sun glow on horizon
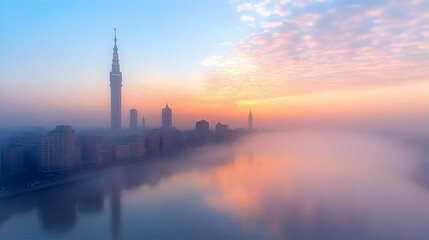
[{"x": 284, "y": 59}]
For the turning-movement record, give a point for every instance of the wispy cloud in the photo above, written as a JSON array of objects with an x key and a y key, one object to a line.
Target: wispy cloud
[
  {"x": 325, "y": 45},
  {"x": 246, "y": 18},
  {"x": 212, "y": 60},
  {"x": 271, "y": 24},
  {"x": 263, "y": 8}
]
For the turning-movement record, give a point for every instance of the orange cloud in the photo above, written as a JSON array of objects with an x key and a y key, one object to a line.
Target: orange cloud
[{"x": 351, "y": 46}]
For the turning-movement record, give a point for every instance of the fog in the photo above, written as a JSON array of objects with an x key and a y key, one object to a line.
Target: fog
[{"x": 291, "y": 184}]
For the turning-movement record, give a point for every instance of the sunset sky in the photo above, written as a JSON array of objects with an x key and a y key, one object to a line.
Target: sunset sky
[{"x": 293, "y": 62}]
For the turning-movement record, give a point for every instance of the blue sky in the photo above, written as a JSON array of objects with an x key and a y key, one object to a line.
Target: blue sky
[
  {"x": 54, "y": 49},
  {"x": 212, "y": 59},
  {"x": 174, "y": 35}
]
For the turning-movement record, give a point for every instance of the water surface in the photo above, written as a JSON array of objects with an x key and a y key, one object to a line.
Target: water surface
[{"x": 290, "y": 185}]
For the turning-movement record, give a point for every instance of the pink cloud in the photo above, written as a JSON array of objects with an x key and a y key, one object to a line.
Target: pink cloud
[
  {"x": 246, "y": 18},
  {"x": 271, "y": 24},
  {"x": 349, "y": 46}
]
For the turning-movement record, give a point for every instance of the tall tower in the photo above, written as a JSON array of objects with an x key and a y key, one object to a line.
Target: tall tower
[
  {"x": 143, "y": 122},
  {"x": 250, "y": 120},
  {"x": 115, "y": 91},
  {"x": 133, "y": 119},
  {"x": 166, "y": 117}
]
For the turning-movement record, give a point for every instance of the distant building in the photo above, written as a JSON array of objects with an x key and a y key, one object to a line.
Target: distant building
[
  {"x": 31, "y": 148},
  {"x": 133, "y": 119},
  {"x": 137, "y": 147},
  {"x": 250, "y": 120},
  {"x": 123, "y": 152},
  {"x": 166, "y": 118},
  {"x": 58, "y": 150},
  {"x": 202, "y": 126},
  {"x": 91, "y": 150},
  {"x": 222, "y": 133},
  {"x": 143, "y": 122},
  {"x": 200, "y": 136},
  {"x": 48, "y": 161},
  {"x": 125, "y": 149},
  {"x": 153, "y": 143},
  {"x": 108, "y": 155},
  {"x": 12, "y": 159},
  {"x": 115, "y": 91},
  {"x": 169, "y": 143}
]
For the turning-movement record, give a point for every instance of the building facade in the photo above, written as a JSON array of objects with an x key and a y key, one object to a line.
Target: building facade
[
  {"x": 11, "y": 160},
  {"x": 91, "y": 150},
  {"x": 58, "y": 150}
]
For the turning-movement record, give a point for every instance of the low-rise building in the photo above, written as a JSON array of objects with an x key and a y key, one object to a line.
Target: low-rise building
[{"x": 11, "y": 160}]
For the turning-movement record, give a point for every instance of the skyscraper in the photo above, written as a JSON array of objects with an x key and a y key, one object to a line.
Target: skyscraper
[
  {"x": 143, "y": 122},
  {"x": 133, "y": 119},
  {"x": 222, "y": 132},
  {"x": 115, "y": 91},
  {"x": 166, "y": 118},
  {"x": 202, "y": 126},
  {"x": 250, "y": 120}
]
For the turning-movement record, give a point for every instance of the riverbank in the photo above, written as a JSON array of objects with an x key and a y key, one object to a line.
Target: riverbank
[
  {"x": 32, "y": 186},
  {"x": 67, "y": 180}
]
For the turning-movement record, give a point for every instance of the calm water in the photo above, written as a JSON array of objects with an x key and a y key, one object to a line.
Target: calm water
[{"x": 293, "y": 185}]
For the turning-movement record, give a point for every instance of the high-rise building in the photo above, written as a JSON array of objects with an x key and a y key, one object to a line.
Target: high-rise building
[
  {"x": 166, "y": 118},
  {"x": 133, "y": 119},
  {"x": 202, "y": 126},
  {"x": 143, "y": 122},
  {"x": 250, "y": 120},
  {"x": 58, "y": 150},
  {"x": 222, "y": 132},
  {"x": 115, "y": 91}
]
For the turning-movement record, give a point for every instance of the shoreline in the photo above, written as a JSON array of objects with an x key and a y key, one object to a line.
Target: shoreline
[
  {"x": 73, "y": 179},
  {"x": 95, "y": 173}
]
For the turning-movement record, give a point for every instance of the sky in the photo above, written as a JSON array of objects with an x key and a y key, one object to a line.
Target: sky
[{"x": 294, "y": 63}]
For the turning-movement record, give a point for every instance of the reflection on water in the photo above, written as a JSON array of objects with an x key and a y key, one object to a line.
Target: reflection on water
[{"x": 283, "y": 185}]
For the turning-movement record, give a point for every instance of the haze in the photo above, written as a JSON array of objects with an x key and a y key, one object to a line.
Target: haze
[
  {"x": 279, "y": 185},
  {"x": 330, "y": 63}
]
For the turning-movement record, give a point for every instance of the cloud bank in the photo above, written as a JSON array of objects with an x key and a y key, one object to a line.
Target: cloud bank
[{"x": 300, "y": 47}]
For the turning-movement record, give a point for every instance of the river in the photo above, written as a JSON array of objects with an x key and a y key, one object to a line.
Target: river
[{"x": 287, "y": 185}]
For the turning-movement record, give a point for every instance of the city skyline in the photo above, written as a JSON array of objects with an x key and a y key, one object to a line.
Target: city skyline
[
  {"x": 214, "y": 119},
  {"x": 307, "y": 79}
]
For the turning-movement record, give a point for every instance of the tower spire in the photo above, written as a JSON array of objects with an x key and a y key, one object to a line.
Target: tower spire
[
  {"x": 115, "y": 60},
  {"x": 115, "y": 48}
]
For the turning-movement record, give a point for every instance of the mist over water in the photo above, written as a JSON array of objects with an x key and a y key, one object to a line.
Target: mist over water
[{"x": 288, "y": 185}]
